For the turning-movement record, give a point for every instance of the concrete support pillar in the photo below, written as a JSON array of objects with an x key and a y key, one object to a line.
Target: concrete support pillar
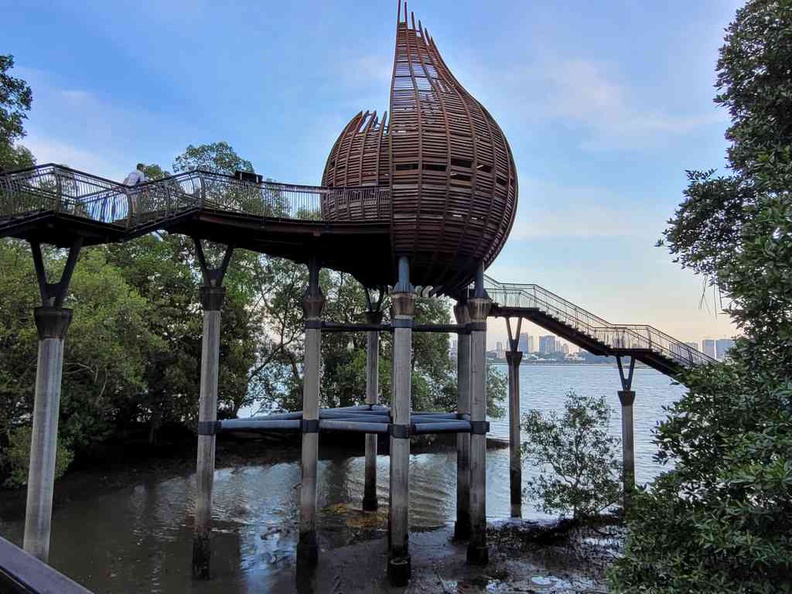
[
  {"x": 51, "y": 323},
  {"x": 627, "y": 398},
  {"x": 478, "y": 306},
  {"x": 313, "y": 304},
  {"x": 462, "y": 524},
  {"x": 513, "y": 359},
  {"x": 212, "y": 301},
  {"x": 403, "y": 300},
  {"x": 212, "y": 294},
  {"x": 372, "y": 397}
]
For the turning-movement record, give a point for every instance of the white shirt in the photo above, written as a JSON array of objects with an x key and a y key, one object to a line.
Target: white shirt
[{"x": 135, "y": 178}]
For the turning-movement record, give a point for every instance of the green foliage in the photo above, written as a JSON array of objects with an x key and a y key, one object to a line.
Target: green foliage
[
  {"x": 104, "y": 354},
  {"x": 17, "y": 457},
  {"x": 576, "y": 460},
  {"x": 217, "y": 157},
  {"x": 721, "y": 520},
  {"x": 15, "y": 100}
]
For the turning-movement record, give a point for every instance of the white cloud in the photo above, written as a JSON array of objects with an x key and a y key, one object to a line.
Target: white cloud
[
  {"x": 582, "y": 92},
  {"x": 585, "y": 94},
  {"x": 556, "y": 211},
  {"x": 50, "y": 150}
]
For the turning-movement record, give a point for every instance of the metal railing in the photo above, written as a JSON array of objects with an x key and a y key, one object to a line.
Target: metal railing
[
  {"x": 21, "y": 572},
  {"x": 614, "y": 336},
  {"x": 53, "y": 188}
]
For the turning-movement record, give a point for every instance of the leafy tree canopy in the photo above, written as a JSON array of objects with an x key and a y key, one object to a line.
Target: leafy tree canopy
[
  {"x": 576, "y": 461},
  {"x": 15, "y": 100},
  {"x": 721, "y": 520}
]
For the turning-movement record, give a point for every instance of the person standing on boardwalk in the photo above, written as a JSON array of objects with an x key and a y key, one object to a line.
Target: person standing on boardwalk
[{"x": 135, "y": 178}]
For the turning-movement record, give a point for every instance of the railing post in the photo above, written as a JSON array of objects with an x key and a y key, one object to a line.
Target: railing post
[
  {"x": 462, "y": 525},
  {"x": 58, "y": 189},
  {"x": 403, "y": 304}
]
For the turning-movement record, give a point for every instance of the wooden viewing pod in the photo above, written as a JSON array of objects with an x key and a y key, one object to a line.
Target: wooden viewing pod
[{"x": 448, "y": 165}]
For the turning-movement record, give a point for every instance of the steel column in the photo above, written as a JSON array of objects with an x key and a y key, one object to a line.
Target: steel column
[
  {"x": 52, "y": 322},
  {"x": 372, "y": 397},
  {"x": 513, "y": 359},
  {"x": 479, "y": 306},
  {"x": 462, "y": 524},
  {"x": 515, "y": 461},
  {"x": 627, "y": 398},
  {"x": 212, "y": 294},
  {"x": 313, "y": 304},
  {"x": 403, "y": 303}
]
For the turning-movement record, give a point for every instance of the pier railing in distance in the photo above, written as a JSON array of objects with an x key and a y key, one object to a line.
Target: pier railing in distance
[{"x": 22, "y": 573}]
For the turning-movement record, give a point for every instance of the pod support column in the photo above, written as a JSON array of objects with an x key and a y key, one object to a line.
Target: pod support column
[
  {"x": 373, "y": 316},
  {"x": 627, "y": 398},
  {"x": 403, "y": 303},
  {"x": 462, "y": 524},
  {"x": 212, "y": 294},
  {"x": 513, "y": 359},
  {"x": 52, "y": 322},
  {"x": 479, "y": 306},
  {"x": 313, "y": 303}
]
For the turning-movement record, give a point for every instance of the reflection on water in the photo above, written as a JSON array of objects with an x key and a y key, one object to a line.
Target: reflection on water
[{"x": 139, "y": 539}]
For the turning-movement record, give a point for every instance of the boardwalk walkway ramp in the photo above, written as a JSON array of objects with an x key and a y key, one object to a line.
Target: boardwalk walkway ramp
[
  {"x": 590, "y": 332},
  {"x": 59, "y": 205}
]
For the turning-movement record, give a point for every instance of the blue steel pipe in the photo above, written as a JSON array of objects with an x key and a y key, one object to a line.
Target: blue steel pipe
[
  {"x": 353, "y": 426},
  {"x": 447, "y": 427},
  {"x": 259, "y": 425}
]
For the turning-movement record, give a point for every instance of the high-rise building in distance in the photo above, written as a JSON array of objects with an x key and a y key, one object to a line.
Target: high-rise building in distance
[
  {"x": 708, "y": 345},
  {"x": 722, "y": 347},
  {"x": 693, "y": 345},
  {"x": 547, "y": 344},
  {"x": 523, "y": 344}
]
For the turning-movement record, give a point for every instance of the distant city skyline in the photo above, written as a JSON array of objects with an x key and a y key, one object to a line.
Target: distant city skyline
[{"x": 714, "y": 347}]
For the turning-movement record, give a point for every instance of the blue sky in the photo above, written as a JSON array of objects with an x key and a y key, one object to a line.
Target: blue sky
[{"x": 605, "y": 104}]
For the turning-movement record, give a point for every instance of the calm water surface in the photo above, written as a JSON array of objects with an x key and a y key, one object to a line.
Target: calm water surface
[{"x": 139, "y": 538}]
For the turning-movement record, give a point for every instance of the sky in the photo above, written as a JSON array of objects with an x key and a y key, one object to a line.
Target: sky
[{"x": 605, "y": 104}]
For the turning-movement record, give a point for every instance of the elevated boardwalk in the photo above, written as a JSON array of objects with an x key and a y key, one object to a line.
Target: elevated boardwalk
[
  {"x": 590, "y": 332},
  {"x": 58, "y": 205}
]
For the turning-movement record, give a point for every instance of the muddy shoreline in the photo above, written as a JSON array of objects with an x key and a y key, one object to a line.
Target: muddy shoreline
[
  {"x": 526, "y": 556},
  {"x": 574, "y": 562}
]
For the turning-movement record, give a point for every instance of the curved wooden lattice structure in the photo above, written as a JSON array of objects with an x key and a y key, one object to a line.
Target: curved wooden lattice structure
[{"x": 450, "y": 169}]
